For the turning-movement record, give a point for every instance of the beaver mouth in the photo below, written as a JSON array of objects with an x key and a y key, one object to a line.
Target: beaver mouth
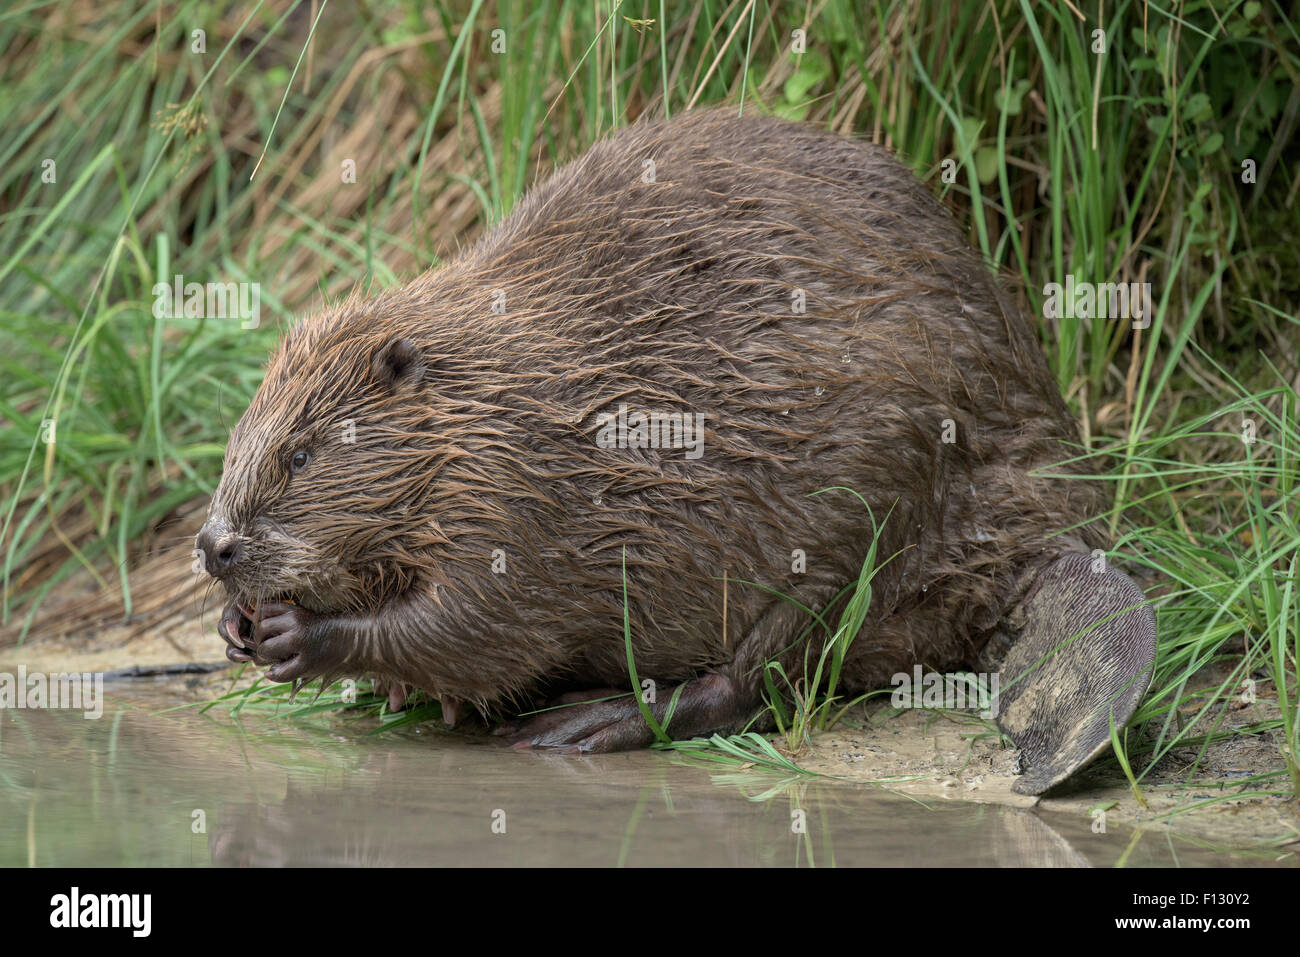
[
  {"x": 316, "y": 593},
  {"x": 252, "y": 603}
]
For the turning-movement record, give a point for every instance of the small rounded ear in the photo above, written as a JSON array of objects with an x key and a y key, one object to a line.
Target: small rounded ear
[{"x": 397, "y": 364}]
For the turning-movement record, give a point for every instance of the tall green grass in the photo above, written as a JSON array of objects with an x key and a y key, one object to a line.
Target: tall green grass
[{"x": 1122, "y": 162}]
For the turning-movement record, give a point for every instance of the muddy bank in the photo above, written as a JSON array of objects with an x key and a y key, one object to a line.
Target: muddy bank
[{"x": 957, "y": 757}]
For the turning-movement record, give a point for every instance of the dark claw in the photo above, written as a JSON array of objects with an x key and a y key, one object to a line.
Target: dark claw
[{"x": 291, "y": 670}]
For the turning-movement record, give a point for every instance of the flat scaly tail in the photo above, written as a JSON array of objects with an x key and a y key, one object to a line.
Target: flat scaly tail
[{"x": 1084, "y": 646}]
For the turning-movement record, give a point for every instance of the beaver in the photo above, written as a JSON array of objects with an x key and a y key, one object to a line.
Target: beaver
[{"x": 693, "y": 378}]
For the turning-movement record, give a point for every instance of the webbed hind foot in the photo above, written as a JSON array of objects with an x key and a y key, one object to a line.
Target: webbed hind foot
[{"x": 706, "y": 704}]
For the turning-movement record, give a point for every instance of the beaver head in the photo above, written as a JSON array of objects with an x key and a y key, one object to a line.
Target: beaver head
[{"x": 329, "y": 476}]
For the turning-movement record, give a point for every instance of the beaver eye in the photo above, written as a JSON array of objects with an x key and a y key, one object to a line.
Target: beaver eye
[{"x": 299, "y": 461}]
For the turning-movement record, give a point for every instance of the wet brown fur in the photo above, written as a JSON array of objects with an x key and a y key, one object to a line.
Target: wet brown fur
[{"x": 676, "y": 296}]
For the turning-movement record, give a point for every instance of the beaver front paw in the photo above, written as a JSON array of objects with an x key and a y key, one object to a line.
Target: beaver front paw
[{"x": 294, "y": 641}]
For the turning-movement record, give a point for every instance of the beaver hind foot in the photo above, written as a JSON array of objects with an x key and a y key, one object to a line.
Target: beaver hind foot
[
  {"x": 1083, "y": 658},
  {"x": 702, "y": 706}
]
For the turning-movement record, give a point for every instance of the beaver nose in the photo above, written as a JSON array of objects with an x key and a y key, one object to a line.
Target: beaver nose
[{"x": 220, "y": 553}]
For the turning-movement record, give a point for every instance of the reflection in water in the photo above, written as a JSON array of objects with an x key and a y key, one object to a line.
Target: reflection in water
[{"x": 137, "y": 788}]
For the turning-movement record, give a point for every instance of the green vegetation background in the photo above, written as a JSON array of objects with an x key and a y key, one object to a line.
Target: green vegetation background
[{"x": 1161, "y": 149}]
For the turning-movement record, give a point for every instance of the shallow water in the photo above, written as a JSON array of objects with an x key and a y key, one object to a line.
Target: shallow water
[{"x": 140, "y": 788}]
